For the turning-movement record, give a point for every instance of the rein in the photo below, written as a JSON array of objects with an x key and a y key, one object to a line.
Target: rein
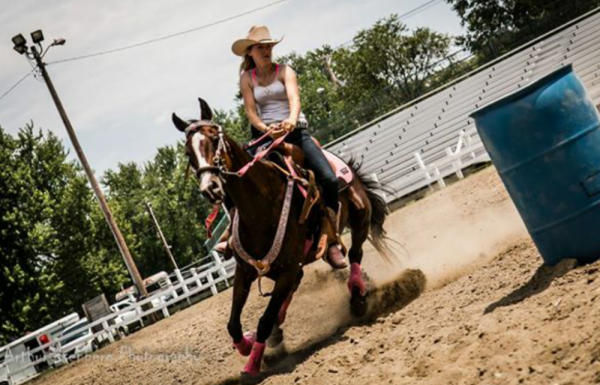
[{"x": 219, "y": 167}]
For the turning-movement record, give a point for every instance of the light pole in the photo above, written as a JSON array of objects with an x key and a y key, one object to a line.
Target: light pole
[
  {"x": 36, "y": 52},
  {"x": 161, "y": 235}
]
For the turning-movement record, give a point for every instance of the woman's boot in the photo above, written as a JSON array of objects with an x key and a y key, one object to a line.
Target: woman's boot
[{"x": 334, "y": 255}]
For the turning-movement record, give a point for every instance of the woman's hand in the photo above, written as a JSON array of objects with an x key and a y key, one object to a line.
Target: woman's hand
[
  {"x": 275, "y": 130},
  {"x": 288, "y": 125}
]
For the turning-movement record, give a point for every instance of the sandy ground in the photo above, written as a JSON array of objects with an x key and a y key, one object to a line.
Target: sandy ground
[{"x": 490, "y": 313}]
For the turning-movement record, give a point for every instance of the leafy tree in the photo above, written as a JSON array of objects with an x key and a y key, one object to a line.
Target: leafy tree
[
  {"x": 497, "y": 26},
  {"x": 47, "y": 268},
  {"x": 397, "y": 61}
]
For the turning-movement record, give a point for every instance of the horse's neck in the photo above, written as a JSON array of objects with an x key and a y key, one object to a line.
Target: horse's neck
[{"x": 258, "y": 193}]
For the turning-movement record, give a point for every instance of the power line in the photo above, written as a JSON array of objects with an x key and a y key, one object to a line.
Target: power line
[
  {"x": 404, "y": 16},
  {"x": 170, "y": 36},
  {"x": 420, "y": 8},
  {"x": 16, "y": 84}
]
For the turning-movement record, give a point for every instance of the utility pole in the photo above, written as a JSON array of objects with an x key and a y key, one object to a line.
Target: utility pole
[
  {"x": 168, "y": 250},
  {"x": 160, "y": 235},
  {"x": 21, "y": 47}
]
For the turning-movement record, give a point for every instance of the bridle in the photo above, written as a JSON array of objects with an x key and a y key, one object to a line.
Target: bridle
[{"x": 218, "y": 168}]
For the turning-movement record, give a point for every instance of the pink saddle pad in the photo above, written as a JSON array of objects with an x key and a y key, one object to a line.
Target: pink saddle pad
[{"x": 342, "y": 170}]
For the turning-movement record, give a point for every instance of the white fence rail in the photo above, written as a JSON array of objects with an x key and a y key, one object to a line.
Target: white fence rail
[{"x": 428, "y": 128}]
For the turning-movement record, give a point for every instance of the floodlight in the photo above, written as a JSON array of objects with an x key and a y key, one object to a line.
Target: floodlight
[
  {"x": 20, "y": 44},
  {"x": 37, "y": 36},
  {"x": 20, "y": 49}
]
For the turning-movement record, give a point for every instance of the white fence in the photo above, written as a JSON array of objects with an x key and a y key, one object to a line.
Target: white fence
[
  {"x": 434, "y": 138},
  {"x": 205, "y": 281}
]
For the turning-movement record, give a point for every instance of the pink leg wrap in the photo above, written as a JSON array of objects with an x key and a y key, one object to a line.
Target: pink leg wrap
[
  {"x": 356, "y": 279},
  {"x": 253, "y": 366},
  {"x": 284, "y": 307},
  {"x": 245, "y": 345}
]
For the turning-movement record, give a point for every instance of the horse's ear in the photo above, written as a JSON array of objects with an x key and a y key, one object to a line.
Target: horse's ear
[
  {"x": 205, "y": 111},
  {"x": 179, "y": 123}
]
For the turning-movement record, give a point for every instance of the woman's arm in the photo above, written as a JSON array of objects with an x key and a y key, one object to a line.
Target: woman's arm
[
  {"x": 250, "y": 104},
  {"x": 293, "y": 95}
]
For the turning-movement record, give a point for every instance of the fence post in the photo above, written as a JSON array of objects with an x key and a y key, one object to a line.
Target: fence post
[
  {"x": 211, "y": 282},
  {"x": 8, "y": 375},
  {"x": 165, "y": 311},
  {"x": 456, "y": 162},
  {"x": 195, "y": 274},
  {"x": 139, "y": 311},
  {"x": 438, "y": 176},
  {"x": 107, "y": 329},
  {"x": 219, "y": 264},
  {"x": 422, "y": 166},
  {"x": 186, "y": 291},
  {"x": 469, "y": 145},
  {"x": 170, "y": 283}
]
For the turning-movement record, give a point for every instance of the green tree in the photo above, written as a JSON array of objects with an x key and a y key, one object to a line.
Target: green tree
[
  {"x": 47, "y": 264},
  {"x": 497, "y": 26}
]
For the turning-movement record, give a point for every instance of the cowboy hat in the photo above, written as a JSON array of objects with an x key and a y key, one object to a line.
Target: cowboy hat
[{"x": 258, "y": 34}]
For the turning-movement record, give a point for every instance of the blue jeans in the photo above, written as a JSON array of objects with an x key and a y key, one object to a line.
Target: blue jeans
[{"x": 314, "y": 160}]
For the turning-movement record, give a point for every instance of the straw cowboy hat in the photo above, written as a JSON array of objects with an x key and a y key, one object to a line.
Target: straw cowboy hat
[{"x": 258, "y": 34}]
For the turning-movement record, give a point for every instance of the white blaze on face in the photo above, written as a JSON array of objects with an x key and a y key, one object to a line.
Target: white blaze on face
[{"x": 197, "y": 139}]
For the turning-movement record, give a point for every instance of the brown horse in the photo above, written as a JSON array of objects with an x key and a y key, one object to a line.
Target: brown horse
[{"x": 258, "y": 197}]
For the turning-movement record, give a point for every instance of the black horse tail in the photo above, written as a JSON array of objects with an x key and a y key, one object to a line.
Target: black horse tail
[{"x": 379, "y": 212}]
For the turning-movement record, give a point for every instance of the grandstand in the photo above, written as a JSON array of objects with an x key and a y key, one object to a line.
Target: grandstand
[{"x": 427, "y": 140}]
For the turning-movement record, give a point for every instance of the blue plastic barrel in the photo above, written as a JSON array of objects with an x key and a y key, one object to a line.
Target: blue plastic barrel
[{"x": 545, "y": 143}]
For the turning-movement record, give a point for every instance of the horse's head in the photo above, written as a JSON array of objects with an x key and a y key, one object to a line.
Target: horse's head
[{"x": 204, "y": 144}]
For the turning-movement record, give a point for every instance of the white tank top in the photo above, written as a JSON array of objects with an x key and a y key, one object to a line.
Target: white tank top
[{"x": 272, "y": 103}]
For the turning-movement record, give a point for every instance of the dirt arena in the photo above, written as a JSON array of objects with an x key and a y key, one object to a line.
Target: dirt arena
[{"x": 489, "y": 313}]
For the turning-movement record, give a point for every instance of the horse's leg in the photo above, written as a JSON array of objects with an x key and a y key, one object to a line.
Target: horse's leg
[
  {"x": 276, "y": 337},
  {"x": 283, "y": 311},
  {"x": 241, "y": 288},
  {"x": 359, "y": 224},
  {"x": 283, "y": 287}
]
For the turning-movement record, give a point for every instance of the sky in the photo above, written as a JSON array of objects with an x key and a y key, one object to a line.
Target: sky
[{"x": 120, "y": 104}]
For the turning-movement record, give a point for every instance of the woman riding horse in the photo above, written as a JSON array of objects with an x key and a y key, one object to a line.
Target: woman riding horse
[
  {"x": 271, "y": 234},
  {"x": 272, "y": 104}
]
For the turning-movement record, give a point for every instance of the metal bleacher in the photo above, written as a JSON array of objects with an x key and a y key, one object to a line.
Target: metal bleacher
[{"x": 435, "y": 136}]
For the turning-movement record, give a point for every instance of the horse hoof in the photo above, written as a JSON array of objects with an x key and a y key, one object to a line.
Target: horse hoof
[
  {"x": 276, "y": 337},
  {"x": 358, "y": 303},
  {"x": 250, "y": 379}
]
